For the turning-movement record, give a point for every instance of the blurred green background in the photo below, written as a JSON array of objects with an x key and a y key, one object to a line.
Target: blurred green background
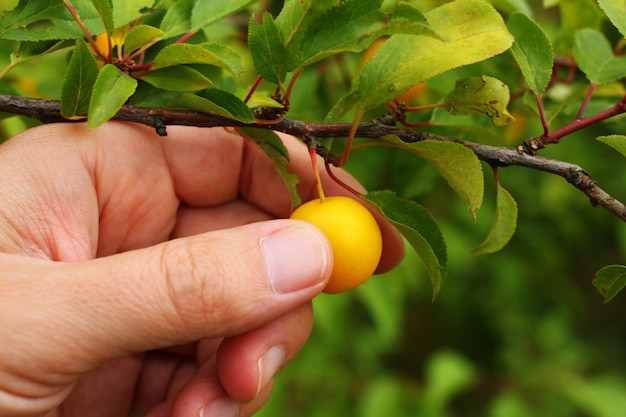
[{"x": 521, "y": 333}]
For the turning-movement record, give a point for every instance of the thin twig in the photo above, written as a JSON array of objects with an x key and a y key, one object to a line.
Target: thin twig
[{"x": 49, "y": 111}]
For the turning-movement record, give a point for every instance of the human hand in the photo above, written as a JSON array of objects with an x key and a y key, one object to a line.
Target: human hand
[{"x": 142, "y": 275}]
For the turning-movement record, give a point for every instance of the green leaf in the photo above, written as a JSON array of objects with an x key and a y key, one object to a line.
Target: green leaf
[
  {"x": 80, "y": 78},
  {"x": 110, "y": 92},
  {"x": 140, "y": 36},
  {"x": 419, "y": 228},
  {"x": 31, "y": 50},
  {"x": 267, "y": 48},
  {"x": 126, "y": 11},
  {"x": 595, "y": 57},
  {"x": 276, "y": 151},
  {"x": 481, "y": 95},
  {"x": 616, "y": 12},
  {"x": 297, "y": 14},
  {"x": 47, "y": 20},
  {"x": 185, "y": 53},
  {"x": 610, "y": 280},
  {"x": 532, "y": 50},
  {"x": 504, "y": 224},
  {"x": 470, "y": 31},
  {"x": 178, "y": 78},
  {"x": 206, "y": 12},
  {"x": 342, "y": 28},
  {"x": 215, "y": 101},
  {"x": 50, "y": 19},
  {"x": 457, "y": 164},
  {"x": 617, "y": 142},
  {"x": 177, "y": 19},
  {"x": 105, "y": 10},
  {"x": 407, "y": 19},
  {"x": 573, "y": 20}
]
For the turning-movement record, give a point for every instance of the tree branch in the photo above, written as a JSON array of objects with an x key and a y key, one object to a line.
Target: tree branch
[{"x": 48, "y": 111}]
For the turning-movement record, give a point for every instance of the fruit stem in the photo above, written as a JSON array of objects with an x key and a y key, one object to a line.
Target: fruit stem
[{"x": 316, "y": 174}]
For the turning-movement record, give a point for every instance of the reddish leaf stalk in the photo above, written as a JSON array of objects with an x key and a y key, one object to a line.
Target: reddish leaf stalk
[
  {"x": 585, "y": 103},
  {"x": 83, "y": 27}
]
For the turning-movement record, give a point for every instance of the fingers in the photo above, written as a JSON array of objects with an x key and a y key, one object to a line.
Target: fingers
[
  {"x": 213, "y": 285},
  {"x": 247, "y": 363},
  {"x": 240, "y": 379}
]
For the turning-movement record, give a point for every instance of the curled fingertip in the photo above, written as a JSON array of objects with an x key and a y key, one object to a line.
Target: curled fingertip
[{"x": 220, "y": 407}]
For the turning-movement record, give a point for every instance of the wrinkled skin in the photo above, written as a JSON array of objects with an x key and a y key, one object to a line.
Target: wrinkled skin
[{"x": 142, "y": 275}]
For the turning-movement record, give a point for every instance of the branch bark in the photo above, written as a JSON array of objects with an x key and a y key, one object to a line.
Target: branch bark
[{"x": 48, "y": 111}]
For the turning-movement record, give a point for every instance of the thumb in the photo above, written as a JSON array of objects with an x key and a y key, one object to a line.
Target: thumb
[{"x": 212, "y": 285}]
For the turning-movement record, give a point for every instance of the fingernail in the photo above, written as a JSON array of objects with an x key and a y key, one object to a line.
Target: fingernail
[
  {"x": 221, "y": 407},
  {"x": 269, "y": 364},
  {"x": 296, "y": 258}
]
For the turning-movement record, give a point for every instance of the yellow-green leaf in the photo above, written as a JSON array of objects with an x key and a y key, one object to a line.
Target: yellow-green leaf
[
  {"x": 419, "y": 228},
  {"x": 457, "y": 164},
  {"x": 504, "y": 224},
  {"x": 481, "y": 95},
  {"x": 610, "y": 280},
  {"x": 469, "y": 31}
]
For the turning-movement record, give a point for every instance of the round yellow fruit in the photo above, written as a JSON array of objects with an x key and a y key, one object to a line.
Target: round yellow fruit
[{"x": 354, "y": 236}]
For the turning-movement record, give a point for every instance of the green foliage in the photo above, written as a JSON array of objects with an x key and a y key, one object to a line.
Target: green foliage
[
  {"x": 595, "y": 57},
  {"x": 79, "y": 82},
  {"x": 110, "y": 91},
  {"x": 467, "y": 31},
  {"x": 532, "y": 51},
  {"x": 504, "y": 224},
  {"x": 610, "y": 280},
  {"x": 481, "y": 95},
  {"x": 419, "y": 228}
]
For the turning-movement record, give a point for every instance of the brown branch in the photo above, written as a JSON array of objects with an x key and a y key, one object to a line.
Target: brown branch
[{"x": 48, "y": 111}]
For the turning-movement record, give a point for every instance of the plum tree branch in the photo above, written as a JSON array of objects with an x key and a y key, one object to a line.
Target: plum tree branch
[{"x": 48, "y": 111}]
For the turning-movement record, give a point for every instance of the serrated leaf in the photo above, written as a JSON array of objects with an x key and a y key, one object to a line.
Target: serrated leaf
[
  {"x": 419, "y": 228},
  {"x": 105, "y": 10},
  {"x": 469, "y": 31},
  {"x": 275, "y": 149},
  {"x": 206, "y": 12},
  {"x": 267, "y": 48},
  {"x": 110, "y": 92},
  {"x": 617, "y": 142},
  {"x": 407, "y": 18},
  {"x": 31, "y": 50},
  {"x": 178, "y": 78},
  {"x": 185, "y": 53},
  {"x": 504, "y": 224},
  {"x": 616, "y": 11},
  {"x": 610, "y": 280},
  {"x": 140, "y": 36},
  {"x": 457, "y": 164},
  {"x": 215, "y": 101},
  {"x": 481, "y": 95},
  {"x": 342, "y": 28},
  {"x": 595, "y": 57},
  {"x": 296, "y": 15},
  {"x": 532, "y": 51},
  {"x": 80, "y": 78},
  {"x": 50, "y": 19},
  {"x": 47, "y": 20},
  {"x": 177, "y": 19}
]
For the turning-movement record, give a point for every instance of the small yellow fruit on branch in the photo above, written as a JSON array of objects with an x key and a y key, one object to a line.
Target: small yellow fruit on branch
[{"x": 354, "y": 236}]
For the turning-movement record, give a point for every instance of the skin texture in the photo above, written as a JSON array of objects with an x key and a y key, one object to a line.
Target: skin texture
[{"x": 151, "y": 276}]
